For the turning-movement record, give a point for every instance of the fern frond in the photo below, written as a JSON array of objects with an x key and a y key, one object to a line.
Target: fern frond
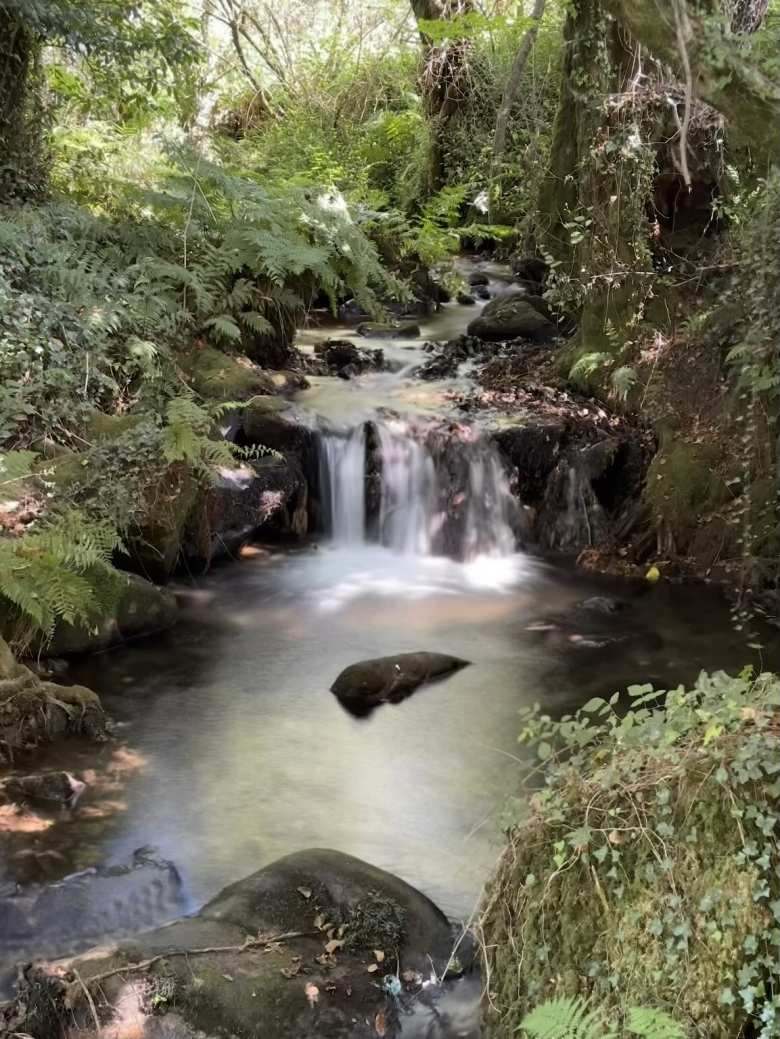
[
  {"x": 565, "y": 1018},
  {"x": 650, "y": 1023}
]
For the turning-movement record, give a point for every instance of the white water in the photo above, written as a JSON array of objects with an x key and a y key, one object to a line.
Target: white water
[{"x": 443, "y": 493}]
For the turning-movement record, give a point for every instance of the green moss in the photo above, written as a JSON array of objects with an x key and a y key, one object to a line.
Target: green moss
[
  {"x": 683, "y": 485},
  {"x": 111, "y": 427},
  {"x": 218, "y": 376}
]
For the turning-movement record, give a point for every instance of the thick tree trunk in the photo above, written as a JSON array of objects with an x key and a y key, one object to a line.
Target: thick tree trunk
[
  {"x": 21, "y": 172},
  {"x": 511, "y": 90},
  {"x": 719, "y": 71},
  {"x": 444, "y": 81}
]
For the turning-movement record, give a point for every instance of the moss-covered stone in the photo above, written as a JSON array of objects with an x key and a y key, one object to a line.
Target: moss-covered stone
[
  {"x": 682, "y": 486},
  {"x": 225, "y": 377},
  {"x": 32, "y": 711}
]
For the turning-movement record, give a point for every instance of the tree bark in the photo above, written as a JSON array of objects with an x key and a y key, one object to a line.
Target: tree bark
[
  {"x": 511, "y": 90},
  {"x": 719, "y": 71},
  {"x": 444, "y": 81},
  {"x": 21, "y": 145}
]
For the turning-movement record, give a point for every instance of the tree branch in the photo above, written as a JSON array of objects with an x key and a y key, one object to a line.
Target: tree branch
[{"x": 720, "y": 72}]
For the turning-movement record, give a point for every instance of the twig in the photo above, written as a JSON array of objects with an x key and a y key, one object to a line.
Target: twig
[
  {"x": 249, "y": 943},
  {"x": 90, "y": 1000}
]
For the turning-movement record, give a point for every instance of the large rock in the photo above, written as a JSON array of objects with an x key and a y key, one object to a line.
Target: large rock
[
  {"x": 226, "y": 377},
  {"x": 59, "y": 788},
  {"x": 512, "y": 316},
  {"x": 268, "y": 495},
  {"x": 141, "y": 609},
  {"x": 363, "y": 686},
  {"x": 311, "y": 947}
]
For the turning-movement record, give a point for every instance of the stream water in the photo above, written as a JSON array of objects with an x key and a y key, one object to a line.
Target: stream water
[{"x": 234, "y": 752}]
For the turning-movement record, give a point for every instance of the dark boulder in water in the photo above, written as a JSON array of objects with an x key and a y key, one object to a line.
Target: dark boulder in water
[
  {"x": 513, "y": 317},
  {"x": 315, "y": 945},
  {"x": 363, "y": 686}
]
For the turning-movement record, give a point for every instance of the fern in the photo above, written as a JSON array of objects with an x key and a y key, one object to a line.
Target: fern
[
  {"x": 623, "y": 380},
  {"x": 570, "y": 1018},
  {"x": 586, "y": 366},
  {"x": 60, "y": 570},
  {"x": 565, "y": 1018},
  {"x": 653, "y": 1024}
]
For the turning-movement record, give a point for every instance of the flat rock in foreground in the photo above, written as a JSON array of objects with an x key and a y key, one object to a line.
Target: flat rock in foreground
[
  {"x": 316, "y": 945},
  {"x": 364, "y": 685}
]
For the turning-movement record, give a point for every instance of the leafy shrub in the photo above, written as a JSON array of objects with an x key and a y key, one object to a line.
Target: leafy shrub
[{"x": 648, "y": 870}]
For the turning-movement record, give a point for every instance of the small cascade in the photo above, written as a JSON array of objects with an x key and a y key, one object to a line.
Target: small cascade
[
  {"x": 342, "y": 482},
  {"x": 422, "y": 490}
]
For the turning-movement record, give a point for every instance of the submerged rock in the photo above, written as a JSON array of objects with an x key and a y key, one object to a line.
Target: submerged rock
[
  {"x": 308, "y": 947},
  {"x": 73, "y": 914},
  {"x": 52, "y": 787},
  {"x": 363, "y": 686},
  {"x": 377, "y": 330},
  {"x": 513, "y": 316}
]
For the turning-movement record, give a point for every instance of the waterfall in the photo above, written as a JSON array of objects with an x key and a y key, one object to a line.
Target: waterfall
[
  {"x": 441, "y": 491},
  {"x": 342, "y": 479}
]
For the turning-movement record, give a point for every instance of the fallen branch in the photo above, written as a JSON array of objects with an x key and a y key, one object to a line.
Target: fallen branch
[{"x": 261, "y": 942}]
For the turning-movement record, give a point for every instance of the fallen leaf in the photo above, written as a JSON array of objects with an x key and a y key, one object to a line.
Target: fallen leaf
[
  {"x": 227, "y": 977},
  {"x": 372, "y": 967},
  {"x": 319, "y": 921},
  {"x": 312, "y": 993},
  {"x": 379, "y": 955},
  {"x": 305, "y": 891},
  {"x": 332, "y": 945},
  {"x": 379, "y": 1023}
]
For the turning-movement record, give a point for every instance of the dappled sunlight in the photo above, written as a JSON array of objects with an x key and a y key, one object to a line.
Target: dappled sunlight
[{"x": 14, "y": 819}]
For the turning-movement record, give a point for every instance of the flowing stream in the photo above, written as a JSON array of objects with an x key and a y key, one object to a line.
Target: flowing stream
[{"x": 234, "y": 752}]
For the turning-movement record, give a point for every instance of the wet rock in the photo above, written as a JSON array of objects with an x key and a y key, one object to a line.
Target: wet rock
[
  {"x": 377, "y": 330},
  {"x": 482, "y": 292},
  {"x": 465, "y": 299},
  {"x": 364, "y": 685},
  {"x": 604, "y": 604},
  {"x": 348, "y": 360},
  {"x": 512, "y": 317},
  {"x": 74, "y": 914},
  {"x": 530, "y": 268},
  {"x": 478, "y": 278},
  {"x": 142, "y": 608},
  {"x": 261, "y": 960},
  {"x": 268, "y": 496},
  {"x": 48, "y": 787}
]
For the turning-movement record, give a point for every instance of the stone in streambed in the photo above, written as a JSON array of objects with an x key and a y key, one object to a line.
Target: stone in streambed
[
  {"x": 376, "y": 330},
  {"x": 466, "y": 299},
  {"x": 52, "y": 787},
  {"x": 478, "y": 278},
  {"x": 364, "y": 685},
  {"x": 307, "y": 985},
  {"x": 514, "y": 316}
]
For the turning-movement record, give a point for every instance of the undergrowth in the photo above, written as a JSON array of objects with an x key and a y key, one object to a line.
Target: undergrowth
[{"x": 647, "y": 871}]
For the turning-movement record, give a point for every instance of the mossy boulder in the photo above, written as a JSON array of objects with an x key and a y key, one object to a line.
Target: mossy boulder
[
  {"x": 33, "y": 712},
  {"x": 260, "y": 960},
  {"x": 141, "y": 609},
  {"x": 226, "y": 377}
]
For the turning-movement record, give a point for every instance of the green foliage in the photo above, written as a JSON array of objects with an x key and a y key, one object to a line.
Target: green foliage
[
  {"x": 60, "y": 570},
  {"x": 570, "y": 1018},
  {"x": 648, "y": 869}
]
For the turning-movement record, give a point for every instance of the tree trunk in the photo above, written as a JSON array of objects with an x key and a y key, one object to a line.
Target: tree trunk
[
  {"x": 511, "y": 90},
  {"x": 719, "y": 71},
  {"x": 21, "y": 164},
  {"x": 444, "y": 81}
]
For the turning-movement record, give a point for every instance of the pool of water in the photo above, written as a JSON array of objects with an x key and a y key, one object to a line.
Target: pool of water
[{"x": 236, "y": 752}]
